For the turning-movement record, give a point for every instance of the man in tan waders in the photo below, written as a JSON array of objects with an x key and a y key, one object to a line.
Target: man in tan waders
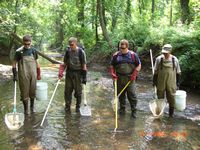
[
  {"x": 76, "y": 70},
  {"x": 167, "y": 76},
  {"x": 27, "y": 72},
  {"x": 125, "y": 65}
]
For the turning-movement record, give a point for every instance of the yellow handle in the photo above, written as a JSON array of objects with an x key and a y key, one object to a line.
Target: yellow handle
[
  {"x": 116, "y": 106},
  {"x": 123, "y": 88}
]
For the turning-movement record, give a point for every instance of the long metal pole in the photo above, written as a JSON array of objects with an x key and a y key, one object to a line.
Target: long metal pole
[
  {"x": 116, "y": 106},
  {"x": 50, "y": 102}
]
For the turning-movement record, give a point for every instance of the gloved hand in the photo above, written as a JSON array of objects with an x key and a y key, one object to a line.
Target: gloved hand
[
  {"x": 155, "y": 78},
  {"x": 61, "y": 70},
  {"x": 113, "y": 74},
  {"x": 38, "y": 73},
  {"x": 15, "y": 78},
  {"x": 134, "y": 75},
  {"x": 84, "y": 77},
  {"x": 178, "y": 80}
]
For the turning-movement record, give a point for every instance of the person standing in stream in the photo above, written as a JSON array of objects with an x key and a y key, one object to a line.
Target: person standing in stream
[
  {"x": 26, "y": 69},
  {"x": 167, "y": 76},
  {"x": 76, "y": 71},
  {"x": 125, "y": 65}
]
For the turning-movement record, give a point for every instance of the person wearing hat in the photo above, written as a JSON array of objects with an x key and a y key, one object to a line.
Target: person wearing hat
[
  {"x": 167, "y": 76},
  {"x": 76, "y": 73},
  {"x": 125, "y": 65},
  {"x": 26, "y": 69}
]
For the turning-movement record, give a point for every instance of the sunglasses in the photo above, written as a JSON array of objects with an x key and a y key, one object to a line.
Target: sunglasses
[
  {"x": 27, "y": 44},
  {"x": 123, "y": 44},
  {"x": 71, "y": 44}
]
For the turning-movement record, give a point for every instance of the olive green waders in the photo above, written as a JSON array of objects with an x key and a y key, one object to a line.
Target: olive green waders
[
  {"x": 166, "y": 83},
  {"x": 73, "y": 82},
  {"x": 27, "y": 81},
  {"x": 131, "y": 94}
]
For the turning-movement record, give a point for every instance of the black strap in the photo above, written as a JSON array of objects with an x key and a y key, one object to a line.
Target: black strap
[
  {"x": 173, "y": 61},
  {"x": 161, "y": 63}
]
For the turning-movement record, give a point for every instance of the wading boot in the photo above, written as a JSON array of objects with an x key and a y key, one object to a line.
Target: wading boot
[
  {"x": 171, "y": 112},
  {"x": 133, "y": 114},
  {"x": 133, "y": 108},
  {"x": 78, "y": 103},
  {"x": 78, "y": 109},
  {"x": 32, "y": 105},
  {"x": 67, "y": 108},
  {"x": 25, "y": 103},
  {"x": 122, "y": 111}
]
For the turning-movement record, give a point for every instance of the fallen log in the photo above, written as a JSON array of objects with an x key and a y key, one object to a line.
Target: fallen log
[{"x": 17, "y": 38}]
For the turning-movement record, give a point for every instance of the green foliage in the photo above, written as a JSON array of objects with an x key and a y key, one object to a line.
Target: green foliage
[
  {"x": 51, "y": 23},
  {"x": 191, "y": 67}
]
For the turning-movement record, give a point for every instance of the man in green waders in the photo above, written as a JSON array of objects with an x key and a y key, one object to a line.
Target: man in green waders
[
  {"x": 76, "y": 70},
  {"x": 125, "y": 65},
  {"x": 27, "y": 72},
  {"x": 167, "y": 76}
]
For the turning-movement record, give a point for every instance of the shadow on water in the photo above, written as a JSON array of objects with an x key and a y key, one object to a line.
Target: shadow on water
[{"x": 63, "y": 130}]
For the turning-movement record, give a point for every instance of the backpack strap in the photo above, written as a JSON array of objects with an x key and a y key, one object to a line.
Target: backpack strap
[
  {"x": 161, "y": 62},
  {"x": 80, "y": 54},
  {"x": 133, "y": 58},
  {"x": 173, "y": 61}
]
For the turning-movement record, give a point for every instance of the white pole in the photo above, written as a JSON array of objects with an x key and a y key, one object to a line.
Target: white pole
[{"x": 50, "y": 102}]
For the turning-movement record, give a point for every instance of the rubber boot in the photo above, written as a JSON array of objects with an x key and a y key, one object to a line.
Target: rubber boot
[
  {"x": 68, "y": 100},
  {"x": 171, "y": 112},
  {"x": 32, "y": 105},
  {"x": 133, "y": 113},
  {"x": 78, "y": 103},
  {"x": 133, "y": 108},
  {"x": 67, "y": 108},
  {"x": 122, "y": 110},
  {"x": 25, "y": 103}
]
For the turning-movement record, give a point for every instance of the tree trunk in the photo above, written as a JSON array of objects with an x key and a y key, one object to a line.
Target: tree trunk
[
  {"x": 171, "y": 9},
  {"x": 81, "y": 16},
  {"x": 96, "y": 22},
  {"x": 102, "y": 23},
  {"x": 141, "y": 6},
  {"x": 152, "y": 9},
  {"x": 140, "y": 9},
  {"x": 114, "y": 16},
  {"x": 103, "y": 11},
  {"x": 128, "y": 9},
  {"x": 185, "y": 11}
]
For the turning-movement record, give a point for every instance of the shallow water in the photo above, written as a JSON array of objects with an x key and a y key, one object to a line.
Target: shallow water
[{"x": 62, "y": 130}]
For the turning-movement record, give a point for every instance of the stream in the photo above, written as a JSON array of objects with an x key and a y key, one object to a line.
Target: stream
[{"x": 66, "y": 131}]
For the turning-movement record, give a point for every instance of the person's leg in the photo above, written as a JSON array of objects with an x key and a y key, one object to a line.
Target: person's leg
[
  {"x": 171, "y": 100},
  {"x": 78, "y": 90},
  {"x": 68, "y": 91},
  {"x": 24, "y": 93},
  {"x": 32, "y": 93},
  {"x": 132, "y": 97},
  {"x": 122, "y": 97}
]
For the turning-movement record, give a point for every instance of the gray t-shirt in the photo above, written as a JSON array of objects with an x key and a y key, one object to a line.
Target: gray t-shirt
[
  {"x": 169, "y": 60},
  {"x": 75, "y": 59}
]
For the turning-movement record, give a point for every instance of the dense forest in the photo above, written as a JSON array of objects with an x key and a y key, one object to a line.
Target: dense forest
[{"x": 100, "y": 24}]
